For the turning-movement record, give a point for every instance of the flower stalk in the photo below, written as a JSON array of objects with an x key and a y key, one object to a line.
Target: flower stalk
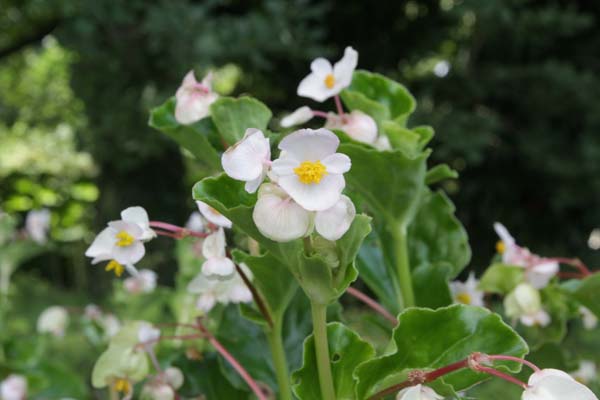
[
  {"x": 319, "y": 317},
  {"x": 403, "y": 273}
]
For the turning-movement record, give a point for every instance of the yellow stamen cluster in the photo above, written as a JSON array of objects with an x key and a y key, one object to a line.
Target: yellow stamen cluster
[
  {"x": 500, "y": 247},
  {"x": 124, "y": 239},
  {"x": 329, "y": 81},
  {"x": 115, "y": 266},
  {"x": 310, "y": 172},
  {"x": 122, "y": 385},
  {"x": 464, "y": 298}
]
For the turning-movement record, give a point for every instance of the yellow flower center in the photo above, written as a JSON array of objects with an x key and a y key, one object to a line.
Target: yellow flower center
[
  {"x": 329, "y": 81},
  {"x": 115, "y": 266},
  {"x": 500, "y": 247},
  {"x": 310, "y": 172},
  {"x": 122, "y": 385},
  {"x": 124, "y": 239},
  {"x": 464, "y": 298}
]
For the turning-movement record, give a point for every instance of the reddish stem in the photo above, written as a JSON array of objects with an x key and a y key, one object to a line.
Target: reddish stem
[
  {"x": 502, "y": 375},
  {"x": 373, "y": 304},
  {"x": 573, "y": 262},
  {"x": 256, "y": 296},
  {"x": 515, "y": 359},
  {"x": 567, "y": 275},
  {"x": 177, "y": 232},
  {"x": 321, "y": 114},
  {"x": 338, "y": 105},
  {"x": 234, "y": 363}
]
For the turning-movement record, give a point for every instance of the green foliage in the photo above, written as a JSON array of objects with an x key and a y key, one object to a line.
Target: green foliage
[
  {"x": 586, "y": 292},
  {"x": 233, "y": 116},
  {"x": 500, "y": 278}
]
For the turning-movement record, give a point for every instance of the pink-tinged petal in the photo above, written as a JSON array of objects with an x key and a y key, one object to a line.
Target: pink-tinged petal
[
  {"x": 245, "y": 160},
  {"x": 310, "y": 144},
  {"x": 280, "y": 218},
  {"x": 129, "y": 254},
  {"x": 358, "y": 125},
  {"x": 189, "y": 80},
  {"x": 192, "y": 106},
  {"x": 334, "y": 222},
  {"x": 218, "y": 267},
  {"x": 240, "y": 293},
  {"x": 337, "y": 163},
  {"x": 314, "y": 197},
  {"x": 344, "y": 68},
  {"x": 321, "y": 67}
]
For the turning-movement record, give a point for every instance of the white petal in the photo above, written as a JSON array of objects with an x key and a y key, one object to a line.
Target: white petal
[
  {"x": 103, "y": 244},
  {"x": 313, "y": 87},
  {"x": 418, "y": 392},
  {"x": 240, "y": 294},
  {"x": 147, "y": 332},
  {"x": 358, "y": 125},
  {"x": 310, "y": 144},
  {"x": 539, "y": 275},
  {"x": 245, "y": 160},
  {"x": 221, "y": 266},
  {"x": 337, "y": 163},
  {"x": 189, "y": 80},
  {"x": 131, "y": 228},
  {"x": 298, "y": 117},
  {"x": 201, "y": 284},
  {"x": 139, "y": 216},
  {"x": 214, "y": 245},
  {"x": 129, "y": 254},
  {"x": 504, "y": 235},
  {"x": 333, "y": 223},
  {"x": 206, "y": 302},
  {"x": 251, "y": 186},
  {"x": 317, "y": 196},
  {"x": 53, "y": 320},
  {"x": 284, "y": 165},
  {"x": 321, "y": 66},
  {"x": 212, "y": 215},
  {"x": 195, "y": 222},
  {"x": 280, "y": 219},
  {"x": 344, "y": 68},
  {"x": 550, "y": 384},
  {"x": 192, "y": 106}
]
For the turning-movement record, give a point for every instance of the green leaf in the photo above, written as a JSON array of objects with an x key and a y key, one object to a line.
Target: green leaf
[
  {"x": 428, "y": 339},
  {"x": 371, "y": 266},
  {"x": 437, "y": 236},
  {"x": 501, "y": 278},
  {"x": 586, "y": 292},
  {"x": 346, "y": 349},
  {"x": 402, "y": 138},
  {"x": 193, "y": 137},
  {"x": 440, "y": 173},
  {"x": 233, "y": 116},
  {"x": 426, "y": 133},
  {"x": 430, "y": 283}
]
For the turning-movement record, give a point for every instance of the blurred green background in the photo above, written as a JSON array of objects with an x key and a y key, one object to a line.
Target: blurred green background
[{"x": 510, "y": 86}]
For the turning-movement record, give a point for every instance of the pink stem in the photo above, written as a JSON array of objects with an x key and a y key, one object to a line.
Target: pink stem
[
  {"x": 321, "y": 114},
  {"x": 373, "y": 304},
  {"x": 515, "y": 359},
  {"x": 178, "y": 231},
  {"x": 501, "y": 375},
  {"x": 574, "y": 262},
  {"x": 338, "y": 105}
]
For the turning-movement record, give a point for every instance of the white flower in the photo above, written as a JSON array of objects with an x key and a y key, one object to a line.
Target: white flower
[
  {"x": 586, "y": 373},
  {"x": 139, "y": 216},
  {"x": 110, "y": 324},
  {"x": 525, "y": 303},
  {"x": 553, "y": 384},
  {"x": 358, "y": 125},
  {"x": 53, "y": 320},
  {"x": 326, "y": 81},
  {"x": 213, "y": 250},
  {"x": 174, "y": 377},
  {"x": 231, "y": 289},
  {"x": 310, "y": 170},
  {"x": 467, "y": 292},
  {"x": 334, "y": 222},
  {"x": 148, "y": 333},
  {"x": 212, "y": 215},
  {"x": 278, "y": 217},
  {"x": 194, "y": 99},
  {"x": 143, "y": 282},
  {"x": 590, "y": 321},
  {"x": 298, "y": 117},
  {"x": 37, "y": 224},
  {"x": 14, "y": 387},
  {"x": 418, "y": 392},
  {"x": 195, "y": 222},
  {"x": 249, "y": 159}
]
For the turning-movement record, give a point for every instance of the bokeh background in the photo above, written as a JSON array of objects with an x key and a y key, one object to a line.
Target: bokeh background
[{"x": 510, "y": 86}]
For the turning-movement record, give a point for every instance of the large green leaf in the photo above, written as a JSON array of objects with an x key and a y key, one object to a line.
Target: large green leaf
[
  {"x": 346, "y": 349},
  {"x": 428, "y": 339},
  {"x": 439, "y": 173},
  {"x": 437, "y": 236},
  {"x": 373, "y": 272},
  {"x": 430, "y": 283},
  {"x": 501, "y": 278},
  {"x": 233, "y": 116},
  {"x": 586, "y": 291},
  {"x": 193, "y": 137}
]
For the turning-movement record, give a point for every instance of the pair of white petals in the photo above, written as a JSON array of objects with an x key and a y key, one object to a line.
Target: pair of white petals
[{"x": 194, "y": 99}]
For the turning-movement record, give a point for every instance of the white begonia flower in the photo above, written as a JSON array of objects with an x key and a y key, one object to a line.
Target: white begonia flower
[
  {"x": 195, "y": 222},
  {"x": 334, "y": 222},
  {"x": 147, "y": 333},
  {"x": 525, "y": 303},
  {"x": 418, "y": 392},
  {"x": 358, "y": 125},
  {"x": 553, "y": 384},
  {"x": 194, "y": 99},
  {"x": 14, "y": 387},
  {"x": 310, "y": 170},
  {"x": 212, "y": 215},
  {"x": 232, "y": 289},
  {"x": 590, "y": 321},
  {"x": 143, "y": 282},
  {"x": 174, "y": 377},
  {"x": 53, "y": 320},
  {"x": 586, "y": 373},
  {"x": 298, "y": 117},
  {"x": 467, "y": 292},
  {"x": 326, "y": 81},
  {"x": 278, "y": 217},
  {"x": 249, "y": 159},
  {"x": 139, "y": 216},
  {"x": 37, "y": 224},
  {"x": 213, "y": 250}
]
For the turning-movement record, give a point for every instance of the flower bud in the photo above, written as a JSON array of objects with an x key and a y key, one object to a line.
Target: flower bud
[
  {"x": 174, "y": 377},
  {"x": 298, "y": 117},
  {"x": 358, "y": 125},
  {"x": 157, "y": 391},
  {"x": 553, "y": 384},
  {"x": 14, "y": 387},
  {"x": 53, "y": 320}
]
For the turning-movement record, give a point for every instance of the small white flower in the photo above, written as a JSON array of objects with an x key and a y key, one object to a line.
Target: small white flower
[
  {"x": 213, "y": 250},
  {"x": 553, "y": 384},
  {"x": 278, "y": 217},
  {"x": 148, "y": 333},
  {"x": 249, "y": 159},
  {"x": 525, "y": 303},
  {"x": 139, "y": 216},
  {"x": 310, "y": 170},
  {"x": 586, "y": 373},
  {"x": 195, "y": 222},
  {"x": 326, "y": 81},
  {"x": 212, "y": 215},
  {"x": 590, "y": 321},
  {"x": 14, "y": 387},
  {"x": 298, "y": 117},
  {"x": 211, "y": 291},
  {"x": 174, "y": 377},
  {"x": 358, "y": 125},
  {"x": 418, "y": 392},
  {"x": 194, "y": 99},
  {"x": 143, "y": 282},
  {"x": 37, "y": 224},
  {"x": 53, "y": 320},
  {"x": 334, "y": 222},
  {"x": 467, "y": 292}
]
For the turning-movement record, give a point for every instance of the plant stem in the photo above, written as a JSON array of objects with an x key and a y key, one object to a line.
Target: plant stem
[
  {"x": 279, "y": 360},
  {"x": 319, "y": 317},
  {"x": 403, "y": 267},
  {"x": 373, "y": 304}
]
